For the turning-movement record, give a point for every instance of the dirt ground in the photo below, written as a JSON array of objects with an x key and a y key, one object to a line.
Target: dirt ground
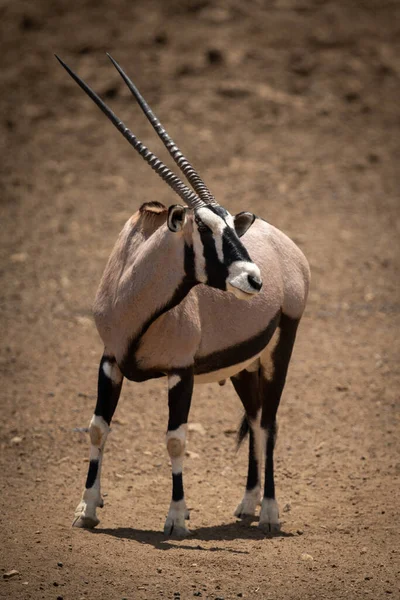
[{"x": 289, "y": 108}]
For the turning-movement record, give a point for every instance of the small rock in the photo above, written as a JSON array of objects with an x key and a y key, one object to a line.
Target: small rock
[
  {"x": 306, "y": 557},
  {"x": 287, "y": 507},
  {"x": 159, "y": 570},
  {"x": 16, "y": 440},
  {"x": 197, "y": 428},
  {"x": 119, "y": 476},
  {"x": 299, "y": 532},
  {"x": 18, "y": 257},
  {"x": 191, "y": 454},
  {"x": 363, "y": 550},
  {"x": 59, "y": 564},
  {"x": 10, "y": 574},
  {"x": 197, "y": 594}
]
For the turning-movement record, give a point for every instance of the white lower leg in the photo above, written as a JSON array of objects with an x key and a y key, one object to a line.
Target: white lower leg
[{"x": 85, "y": 513}]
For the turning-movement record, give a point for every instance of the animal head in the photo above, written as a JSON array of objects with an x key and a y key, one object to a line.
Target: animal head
[{"x": 221, "y": 260}]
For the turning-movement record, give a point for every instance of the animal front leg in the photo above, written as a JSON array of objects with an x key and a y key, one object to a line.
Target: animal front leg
[
  {"x": 109, "y": 388},
  {"x": 180, "y": 389}
]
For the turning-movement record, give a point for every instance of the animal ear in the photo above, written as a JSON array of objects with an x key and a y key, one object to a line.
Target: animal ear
[
  {"x": 176, "y": 217},
  {"x": 243, "y": 221}
]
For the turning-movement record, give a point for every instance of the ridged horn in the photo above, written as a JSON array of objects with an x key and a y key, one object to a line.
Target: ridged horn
[
  {"x": 187, "y": 169},
  {"x": 187, "y": 195}
]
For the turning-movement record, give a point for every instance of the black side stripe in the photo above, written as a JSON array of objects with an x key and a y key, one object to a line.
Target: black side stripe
[{"x": 238, "y": 353}]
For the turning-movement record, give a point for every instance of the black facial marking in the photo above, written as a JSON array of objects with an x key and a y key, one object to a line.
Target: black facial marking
[
  {"x": 233, "y": 248},
  {"x": 92, "y": 473},
  {"x": 177, "y": 487},
  {"x": 238, "y": 353},
  {"x": 216, "y": 271},
  {"x": 218, "y": 210},
  {"x": 107, "y": 392}
]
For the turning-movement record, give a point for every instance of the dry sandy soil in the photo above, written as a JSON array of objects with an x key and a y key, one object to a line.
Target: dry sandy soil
[{"x": 289, "y": 108}]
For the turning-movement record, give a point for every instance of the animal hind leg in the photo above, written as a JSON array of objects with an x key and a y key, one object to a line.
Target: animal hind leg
[
  {"x": 272, "y": 381},
  {"x": 109, "y": 389},
  {"x": 246, "y": 384}
]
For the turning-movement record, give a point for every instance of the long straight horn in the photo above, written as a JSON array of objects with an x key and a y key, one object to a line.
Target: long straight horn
[
  {"x": 192, "y": 176},
  {"x": 187, "y": 195}
]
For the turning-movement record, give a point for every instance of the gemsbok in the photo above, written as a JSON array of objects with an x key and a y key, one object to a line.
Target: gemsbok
[{"x": 197, "y": 295}]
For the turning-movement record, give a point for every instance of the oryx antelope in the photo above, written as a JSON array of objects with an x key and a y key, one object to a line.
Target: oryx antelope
[{"x": 197, "y": 295}]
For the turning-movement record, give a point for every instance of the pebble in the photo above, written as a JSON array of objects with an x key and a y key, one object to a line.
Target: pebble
[
  {"x": 306, "y": 556},
  {"x": 299, "y": 532},
  {"x": 10, "y": 574},
  {"x": 287, "y": 507},
  {"x": 191, "y": 454},
  {"x": 363, "y": 550},
  {"x": 197, "y": 427},
  {"x": 16, "y": 440},
  {"x": 59, "y": 564},
  {"x": 19, "y": 257}
]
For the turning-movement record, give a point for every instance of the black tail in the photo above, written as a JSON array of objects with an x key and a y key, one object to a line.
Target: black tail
[{"x": 243, "y": 430}]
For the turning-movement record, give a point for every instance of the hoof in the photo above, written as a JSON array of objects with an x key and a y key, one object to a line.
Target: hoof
[
  {"x": 242, "y": 513},
  {"x": 247, "y": 507},
  {"x": 269, "y": 516},
  {"x": 85, "y": 522},
  {"x": 176, "y": 532},
  {"x": 269, "y": 527}
]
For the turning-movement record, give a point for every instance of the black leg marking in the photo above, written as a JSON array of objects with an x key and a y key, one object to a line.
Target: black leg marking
[
  {"x": 252, "y": 472},
  {"x": 179, "y": 399},
  {"x": 92, "y": 473},
  {"x": 177, "y": 487},
  {"x": 246, "y": 385},
  {"x": 108, "y": 391}
]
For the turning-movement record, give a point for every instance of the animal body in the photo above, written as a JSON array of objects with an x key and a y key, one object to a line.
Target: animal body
[{"x": 195, "y": 294}]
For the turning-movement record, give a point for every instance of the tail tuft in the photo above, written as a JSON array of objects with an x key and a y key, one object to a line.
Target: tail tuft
[{"x": 243, "y": 430}]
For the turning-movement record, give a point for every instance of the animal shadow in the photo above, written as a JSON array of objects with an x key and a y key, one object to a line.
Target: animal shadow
[{"x": 218, "y": 533}]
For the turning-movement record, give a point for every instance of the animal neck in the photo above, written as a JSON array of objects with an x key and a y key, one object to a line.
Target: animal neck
[{"x": 162, "y": 275}]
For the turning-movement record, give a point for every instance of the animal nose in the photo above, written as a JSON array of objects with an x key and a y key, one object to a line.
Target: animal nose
[{"x": 255, "y": 282}]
